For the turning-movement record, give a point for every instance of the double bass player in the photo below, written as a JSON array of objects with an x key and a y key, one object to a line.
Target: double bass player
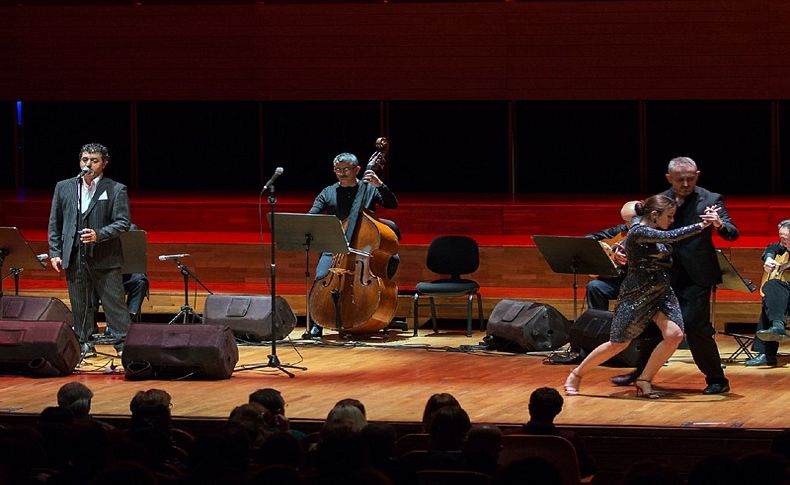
[{"x": 337, "y": 199}]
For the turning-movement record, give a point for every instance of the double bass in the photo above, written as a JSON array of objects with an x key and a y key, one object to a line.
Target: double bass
[{"x": 356, "y": 295}]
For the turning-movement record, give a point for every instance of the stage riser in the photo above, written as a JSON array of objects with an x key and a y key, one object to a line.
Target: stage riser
[
  {"x": 506, "y": 267},
  {"x": 161, "y": 303}
]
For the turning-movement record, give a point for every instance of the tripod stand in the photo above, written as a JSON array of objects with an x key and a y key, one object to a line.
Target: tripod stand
[{"x": 187, "y": 314}]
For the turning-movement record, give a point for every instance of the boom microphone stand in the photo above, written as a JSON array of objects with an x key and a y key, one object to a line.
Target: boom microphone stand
[
  {"x": 187, "y": 313},
  {"x": 274, "y": 361}
]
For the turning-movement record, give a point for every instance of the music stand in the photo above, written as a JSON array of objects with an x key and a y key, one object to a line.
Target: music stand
[
  {"x": 15, "y": 251},
  {"x": 305, "y": 232},
  {"x": 575, "y": 255},
  {"x": 732, "y": 280},
  {"x": 134, "y": 246}
]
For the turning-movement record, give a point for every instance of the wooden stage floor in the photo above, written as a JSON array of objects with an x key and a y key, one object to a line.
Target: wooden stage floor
[{"x": 394, "y": 376}]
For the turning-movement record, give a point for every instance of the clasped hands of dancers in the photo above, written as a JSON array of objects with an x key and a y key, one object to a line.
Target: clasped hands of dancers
[{"x": 646, "y": 294}]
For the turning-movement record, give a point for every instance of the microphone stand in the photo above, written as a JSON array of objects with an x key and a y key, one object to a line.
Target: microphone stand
[
  {"x": 81, "y": 265},
  {"x": 186, "y": 310},
  {"x": 274, "y": 361}
]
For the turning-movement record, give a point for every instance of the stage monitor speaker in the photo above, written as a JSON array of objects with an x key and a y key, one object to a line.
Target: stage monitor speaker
[
  {"x": 249, "y": 316},
  {"x": 533, "y": 327},
  {"x": 41, "y": 349},
  {"x": 35, "y": 308},
  {"x": 179, "y": 351},
  {"x": 593, "y": 327}
]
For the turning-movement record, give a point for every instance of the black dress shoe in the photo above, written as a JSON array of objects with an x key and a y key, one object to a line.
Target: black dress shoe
[
  {"x": 314, "y": 332},
  {"x": 716, "y": 388},
  {"x": 773, "y": 334},
  {"x": 625, "y": 379},
  {"x": 761, "y": 359}
]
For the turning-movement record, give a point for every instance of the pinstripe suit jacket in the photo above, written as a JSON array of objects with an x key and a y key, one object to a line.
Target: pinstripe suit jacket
[{"x": 107, "y": 214}]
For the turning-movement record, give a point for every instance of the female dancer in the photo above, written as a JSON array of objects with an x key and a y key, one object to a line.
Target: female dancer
[{"x": 645, "y": 294}]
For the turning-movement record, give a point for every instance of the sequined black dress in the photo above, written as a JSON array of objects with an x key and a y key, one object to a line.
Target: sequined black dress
[{"x": 646, "y": 288}]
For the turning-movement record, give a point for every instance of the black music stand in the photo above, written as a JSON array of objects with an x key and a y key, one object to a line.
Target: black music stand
[
  {"x": 306, "y": 232},
  {"x": 134, "y": 246},
  {"x": 15, "y": 251},
  {"x": 732, "y": 280},
  {"x": 575, "y": 255}
]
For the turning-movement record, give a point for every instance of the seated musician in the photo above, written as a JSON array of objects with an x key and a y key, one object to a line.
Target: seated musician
[
  {"x": 776, "y": 299},
  {"x": 338, "y": 198},
  {"x": 602, "y": 289},
  {"x": 135, "y": 287}
]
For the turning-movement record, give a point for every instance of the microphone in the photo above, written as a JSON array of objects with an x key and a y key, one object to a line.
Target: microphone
[
  {"x": 277, "y": 172},
  {"x": 42, "y": 257},
  {"x": 166, "y": 257},
  {"x": 83, "y": 172}
]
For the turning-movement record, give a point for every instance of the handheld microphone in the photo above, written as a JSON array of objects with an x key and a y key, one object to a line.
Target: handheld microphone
[
  {"x": 83, "y": 172},
  {"x": 166, "y": 257},
  {"x": 277, "y": 172},
  {"x": 42, "y": 257}
]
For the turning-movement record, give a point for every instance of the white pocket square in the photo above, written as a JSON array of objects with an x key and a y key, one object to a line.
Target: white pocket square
[{"x": 103, "y": 195}]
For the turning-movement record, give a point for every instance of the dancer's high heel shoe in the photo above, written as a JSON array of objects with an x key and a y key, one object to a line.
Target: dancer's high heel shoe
[
  {"x": 644, "y": 388},
  {"x": 572, "y": 389}
]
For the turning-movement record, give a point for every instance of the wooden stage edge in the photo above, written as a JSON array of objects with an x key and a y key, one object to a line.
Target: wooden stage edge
[{"x": 395, "y": 373}]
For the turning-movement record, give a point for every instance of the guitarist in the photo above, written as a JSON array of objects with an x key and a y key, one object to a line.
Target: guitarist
[
  {"x": 776, "y": 295},
  {"x": 602, "y": 289}
]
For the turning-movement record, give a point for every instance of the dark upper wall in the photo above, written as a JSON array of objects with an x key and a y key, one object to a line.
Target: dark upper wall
[{"x": 680, "y": 49}]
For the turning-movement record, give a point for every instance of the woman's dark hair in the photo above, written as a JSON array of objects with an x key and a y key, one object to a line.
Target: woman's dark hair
[
  {"x": 435, "y": 402},
  {"x": 658, "y": 203}
]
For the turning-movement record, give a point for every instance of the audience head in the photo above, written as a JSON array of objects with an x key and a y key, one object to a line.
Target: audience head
[
  {"x": 449, "y": 426},
  {"x": 151, "y": 408},
  {"x": 483, "y": 439},
  {"x": 269, "y": 398},
  {"x": 434, "y": 403},
  {"x": 353, "y": 402},
  {"x": 545, "y": 403},
  {"x": 252, "y": 419},
  {"x": 76, "y": 397},
  {"x": 345, "y": 416}
]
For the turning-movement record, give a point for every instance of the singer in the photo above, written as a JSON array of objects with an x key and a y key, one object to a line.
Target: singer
[
  {"x": 105, "y": 215},
  {"x": 336, "y": 199}
]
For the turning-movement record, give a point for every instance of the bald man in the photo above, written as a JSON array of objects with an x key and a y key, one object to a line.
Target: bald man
[{"x": 602, "y": 289}]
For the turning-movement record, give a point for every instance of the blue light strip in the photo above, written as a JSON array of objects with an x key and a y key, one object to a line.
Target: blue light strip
[{"x": 19, "y": 113}]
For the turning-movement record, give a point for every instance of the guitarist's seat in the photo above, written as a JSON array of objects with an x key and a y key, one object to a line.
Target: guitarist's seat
[{"x": 743, "y": 334}]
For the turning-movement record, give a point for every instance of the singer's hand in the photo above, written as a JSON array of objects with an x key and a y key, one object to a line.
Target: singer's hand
[
  {"x": 88, "y": 236},
  {"x": 57, "y": 263},
  {"x": 373, "y": 179}
]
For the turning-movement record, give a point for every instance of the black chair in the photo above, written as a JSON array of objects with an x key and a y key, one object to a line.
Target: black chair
[{"x": 454, "y": 256}]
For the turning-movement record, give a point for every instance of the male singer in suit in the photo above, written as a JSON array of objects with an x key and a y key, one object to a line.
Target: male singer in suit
[
  {"x": 87, "y": 246},
  {"x": 695, "y": 269}
]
